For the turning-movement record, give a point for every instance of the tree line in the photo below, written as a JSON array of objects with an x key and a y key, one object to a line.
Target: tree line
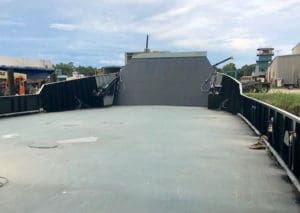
[
  {"x": 230, "y": 69},
  {"x": 68, "y": 68}
]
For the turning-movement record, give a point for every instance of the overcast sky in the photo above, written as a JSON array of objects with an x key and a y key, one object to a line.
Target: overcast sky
[{"x": 98, "y": 32}]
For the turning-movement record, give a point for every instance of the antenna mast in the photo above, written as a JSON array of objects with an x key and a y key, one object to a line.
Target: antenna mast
[{"x": 147, "y": 50}]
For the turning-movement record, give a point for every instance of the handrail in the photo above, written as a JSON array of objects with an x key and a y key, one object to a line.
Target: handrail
[
  {"x": 63, "y": 95},
  {"x": 287, "y": 114},
  {"x": 281, "y": 127}
]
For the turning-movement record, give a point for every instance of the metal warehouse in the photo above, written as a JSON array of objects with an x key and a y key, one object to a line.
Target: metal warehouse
[
  {"x": 285, "y": 70},
  {"x": 36, "y": 70}
]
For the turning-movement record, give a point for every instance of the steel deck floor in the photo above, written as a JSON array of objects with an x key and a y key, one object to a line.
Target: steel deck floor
[{"x": 138, "y": 159}]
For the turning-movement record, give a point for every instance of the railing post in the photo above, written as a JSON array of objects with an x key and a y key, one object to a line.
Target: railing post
[
  {"x": 282, "y": 128},
  {"x": 296, "y": 152}
]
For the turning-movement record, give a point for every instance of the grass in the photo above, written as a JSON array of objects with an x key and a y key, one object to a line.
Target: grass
[{"x": 287, "y": 101}]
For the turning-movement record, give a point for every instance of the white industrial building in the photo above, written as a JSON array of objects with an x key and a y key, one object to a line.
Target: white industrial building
[
  {"x": 284, "y": 70},
  {"x": 8, "y": 61},
  {"x": 36, "y": 70}
]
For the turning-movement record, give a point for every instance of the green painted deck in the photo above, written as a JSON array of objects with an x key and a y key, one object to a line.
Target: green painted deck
[{"x": 138, "y": 159}]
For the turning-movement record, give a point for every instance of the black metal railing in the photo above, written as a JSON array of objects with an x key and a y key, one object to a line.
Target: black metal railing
[
  {"x": 281, "y": 128},
  {"x": 66, "y": 95},
  {"x": 19, "y": 104}
]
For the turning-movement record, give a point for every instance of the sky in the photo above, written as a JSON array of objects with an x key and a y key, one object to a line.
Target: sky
[{"x": 98, "y": 32}]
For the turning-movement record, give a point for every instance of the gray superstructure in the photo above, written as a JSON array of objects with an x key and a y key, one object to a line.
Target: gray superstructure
[{"x": 165, "y": 79}]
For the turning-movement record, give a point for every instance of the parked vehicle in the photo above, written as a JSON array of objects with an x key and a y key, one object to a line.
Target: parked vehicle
[{"x": 254, "y": 84}]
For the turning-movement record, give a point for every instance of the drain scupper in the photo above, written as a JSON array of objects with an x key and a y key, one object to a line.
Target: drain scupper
[{"x": 43, "y": 145}]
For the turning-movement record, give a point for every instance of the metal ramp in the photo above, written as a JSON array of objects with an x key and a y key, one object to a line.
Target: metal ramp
[{"x": 165, "y": 79}]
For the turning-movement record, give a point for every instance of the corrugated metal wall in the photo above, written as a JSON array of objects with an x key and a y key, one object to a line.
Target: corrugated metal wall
[
  {"x": 164, "y": 81},
  {"x": 17, "y": 104},
  {"x": 80, "y": 93},
  {"x": 68, "y": 95}
]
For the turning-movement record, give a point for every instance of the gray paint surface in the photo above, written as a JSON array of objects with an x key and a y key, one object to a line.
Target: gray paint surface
[
  {"x": 164, "y": 81},
  {"x": 138, "y": 159}
]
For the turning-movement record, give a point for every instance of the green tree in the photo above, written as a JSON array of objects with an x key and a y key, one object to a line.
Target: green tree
[
  {"x": 218, "y": 69},
  {"x": 66, "y": 69},
  {"x": 246, "y": 70},
  {"x": 229, "y": 67},
  {"x": 88, "y": 71}
]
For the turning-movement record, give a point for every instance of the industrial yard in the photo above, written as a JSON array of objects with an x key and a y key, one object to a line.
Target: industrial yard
[
  {"x": 149, "y": 106},
  {"x": 157, "y": 148}
]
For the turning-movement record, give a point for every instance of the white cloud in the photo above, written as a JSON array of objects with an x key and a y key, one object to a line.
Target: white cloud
[
  {"x": 193, "y": 24},
  {"x": 118, "y": 59},
  {"x": 66, "y": 27},
  {"x": 91, "y": 26},
  {"x": 11, "y": 23},
  {"x": 213, "y": 25},
  {"x": 80, "y": 45},
  {"x": 222, "y": 43},
  {"x": 4, "y": 1},
  {"x": 284, "y": 49},
  {"x": 245, "y": 44},
  {"x": 111, "y": 62},
  {"x": 259, "y": 7},
  {"x": 192, "y": 42},
  {"x": 173, "y": 13}
]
